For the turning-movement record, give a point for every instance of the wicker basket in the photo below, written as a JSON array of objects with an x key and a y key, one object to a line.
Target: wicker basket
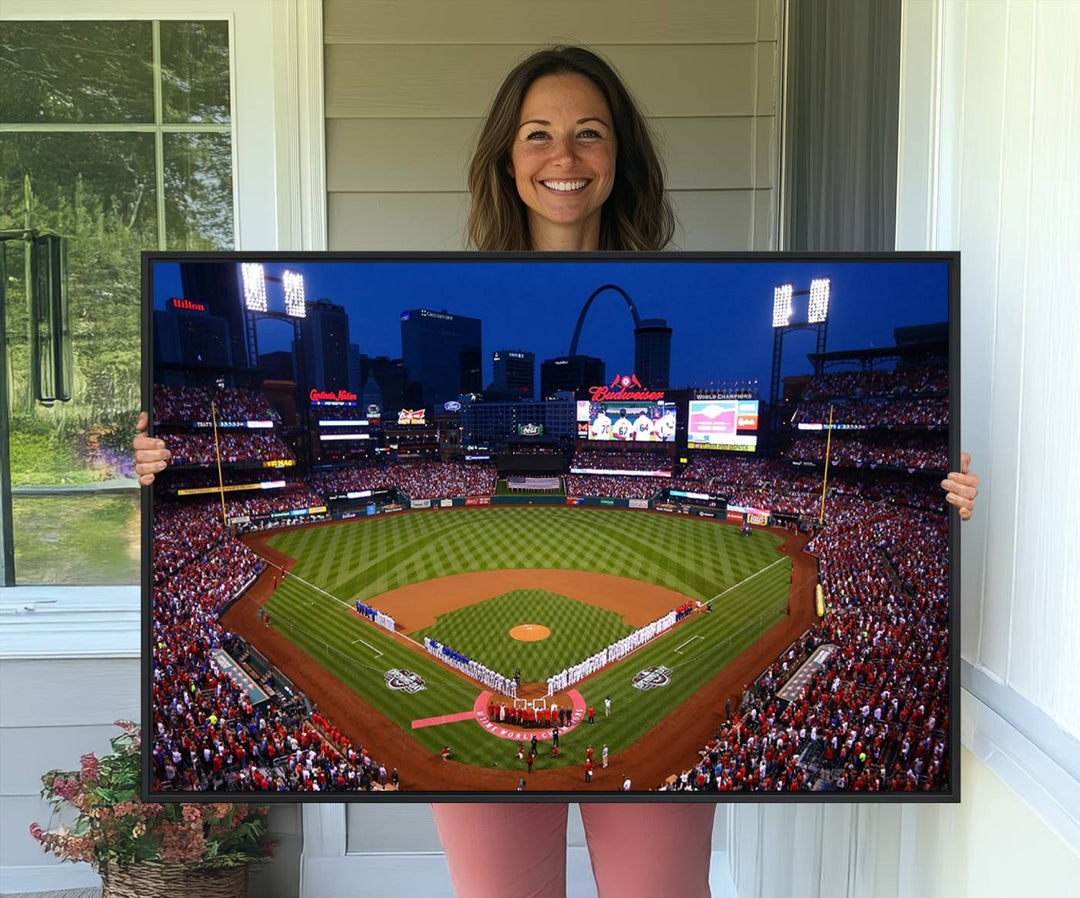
[{"x": 150, "y": 880}]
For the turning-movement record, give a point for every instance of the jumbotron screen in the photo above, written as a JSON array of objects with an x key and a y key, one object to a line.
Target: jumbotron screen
[
  {"x": 639, "y": 422},
  {"x": 730, "y": 424}
]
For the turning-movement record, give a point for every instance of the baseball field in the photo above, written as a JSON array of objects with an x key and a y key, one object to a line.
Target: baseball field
[{"x": 535, "y": 588}]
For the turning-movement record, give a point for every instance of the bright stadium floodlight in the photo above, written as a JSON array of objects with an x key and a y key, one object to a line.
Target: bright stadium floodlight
[
  {"x": 781, "y": 307},
  {"x": 254, "y": 276},
  {"x": 819, "y": 300},
  {"x": 295, "y": 306}
]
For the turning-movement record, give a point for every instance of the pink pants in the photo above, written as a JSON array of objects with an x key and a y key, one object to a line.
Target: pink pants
[{"x": 519, "y": 850}]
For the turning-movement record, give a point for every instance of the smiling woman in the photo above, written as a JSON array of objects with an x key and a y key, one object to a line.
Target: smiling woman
[{"x": 565, "y": 160}]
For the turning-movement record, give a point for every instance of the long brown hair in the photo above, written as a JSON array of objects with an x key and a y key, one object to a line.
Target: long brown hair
[{"x": 637, "y": 214}]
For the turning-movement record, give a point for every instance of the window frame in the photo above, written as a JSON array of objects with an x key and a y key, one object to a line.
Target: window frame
[{"x": 279, "y": 203}]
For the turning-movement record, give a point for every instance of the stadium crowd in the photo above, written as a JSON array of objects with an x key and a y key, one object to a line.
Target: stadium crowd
[
  {"x": 874, "y": 715},
  {"x": 190, "y": 404},
  {"x": 622, "y": 461},
  {"x": 914, "y": 453},
  {"x": 417, "y": 479},
  {"x": 235, "y": 446},
  {"x": 265, "y": 502},
  {"x": 922, "y": 380},
  {"x": 878, "y": 413},
  {"x": 207, "y": 733},
  {"x": 614, "y": 486}
]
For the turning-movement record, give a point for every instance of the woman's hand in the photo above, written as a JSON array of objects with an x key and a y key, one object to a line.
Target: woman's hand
[
  {"x": 962, "y": 487},
  {"x": 151, "y": 455}
]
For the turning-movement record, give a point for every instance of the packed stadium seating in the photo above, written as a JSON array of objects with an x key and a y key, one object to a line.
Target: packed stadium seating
[
  {"x": 249, "y": 446},
  {"x": 926, "y": 380},
  {"x": 190, "y": 404},
  {"x": 876, "y": 413},
  {"x": 622, "y": 461},
  {"x": 417, "y": 479},
  {"x": 613, "y": 486},
  {"x": 206, "y": 733},
  {"x": 914, "y": 452}
]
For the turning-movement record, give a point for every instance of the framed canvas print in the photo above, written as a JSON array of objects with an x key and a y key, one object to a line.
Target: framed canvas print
[{"x": 585, "y": 527}]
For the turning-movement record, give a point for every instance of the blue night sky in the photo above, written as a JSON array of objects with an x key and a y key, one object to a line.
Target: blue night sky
[{"x": 720, "y": 311}]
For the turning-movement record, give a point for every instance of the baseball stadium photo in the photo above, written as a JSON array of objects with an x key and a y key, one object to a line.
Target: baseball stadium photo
[{"x": 448, "y": 526}]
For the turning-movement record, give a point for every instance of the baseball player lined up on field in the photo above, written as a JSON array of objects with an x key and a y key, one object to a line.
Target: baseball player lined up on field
[
  {"x": 613, "y": 652},
  {"x": 471, "y": 667}
]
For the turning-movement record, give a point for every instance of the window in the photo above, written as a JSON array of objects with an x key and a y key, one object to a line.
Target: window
[{"x": 118, "y": 136}]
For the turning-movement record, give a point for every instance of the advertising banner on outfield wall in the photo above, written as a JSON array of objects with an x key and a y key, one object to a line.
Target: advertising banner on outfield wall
[
  {"x": 420, "y": 503},
  {"x": 734, "y": 515},
  {"x": 478, "y": 500},
  {"x": 446, "y": 503},
  {"x": 639, "y": 503}
]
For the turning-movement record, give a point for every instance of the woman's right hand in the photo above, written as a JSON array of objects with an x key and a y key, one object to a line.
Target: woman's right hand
[{"x": 151, "y": 455}]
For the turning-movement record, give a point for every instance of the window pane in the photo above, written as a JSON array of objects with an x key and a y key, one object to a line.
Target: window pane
[
  {"x": 195, "y": 71},
  {"x": 198, "y": 191},
  {"x": 76, "y": 72},
  {"x": 98, "y": 191},
  {"x": 79, "y": 540}
]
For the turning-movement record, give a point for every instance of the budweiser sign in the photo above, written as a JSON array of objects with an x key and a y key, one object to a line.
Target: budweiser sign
[
  {"x": 625, "y": 388},
  {"x": 324, "y": 396}
]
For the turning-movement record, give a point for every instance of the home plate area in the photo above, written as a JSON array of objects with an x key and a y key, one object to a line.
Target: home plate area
[{"x": 545, "y": 718}]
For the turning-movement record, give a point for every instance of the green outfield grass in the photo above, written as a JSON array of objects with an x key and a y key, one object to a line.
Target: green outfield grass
[
  {"x": 364, "y": 558},
  {"x": 482, "y": 631}
]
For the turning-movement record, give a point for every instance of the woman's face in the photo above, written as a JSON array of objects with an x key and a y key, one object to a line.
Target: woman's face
[{"x": 563, "y": 160}]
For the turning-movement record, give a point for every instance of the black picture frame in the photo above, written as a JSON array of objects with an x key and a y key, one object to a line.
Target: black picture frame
[{"x": 151, "y": 790}]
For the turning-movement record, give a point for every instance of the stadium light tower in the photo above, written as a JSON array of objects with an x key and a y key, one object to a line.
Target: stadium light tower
[
  {"x": 817, "y": 319},
  {"x": 295, "y": 304},
  {"x": 819, "y": 300},
  {"x": 781, "y": 307},
  {"x": 254, "y": 276},
  {"x": 256, "y": 307}
]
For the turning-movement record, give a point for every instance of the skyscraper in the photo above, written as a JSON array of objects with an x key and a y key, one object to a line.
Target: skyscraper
[
  {"x": 514, "y": 372},
  {"x": 325, "y": 346},
  {"x": 216, "y": 286},
  {"x": 652, "y": 353},
  {"x": 187, "y": 334},
  {"x": 571, "y": 372},
  {"x": 442, "y": 353}
]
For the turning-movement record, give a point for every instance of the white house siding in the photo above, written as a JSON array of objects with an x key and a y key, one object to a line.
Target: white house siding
[{"x": 407, "y": 85}]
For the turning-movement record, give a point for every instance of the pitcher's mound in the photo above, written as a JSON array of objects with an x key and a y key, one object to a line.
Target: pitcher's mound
[{"x": 530, "y": 632}]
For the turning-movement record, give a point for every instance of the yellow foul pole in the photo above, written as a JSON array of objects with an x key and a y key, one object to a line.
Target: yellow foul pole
[
  {"x": 825, "y": 477},
  {"x": 217, "y": 454}
]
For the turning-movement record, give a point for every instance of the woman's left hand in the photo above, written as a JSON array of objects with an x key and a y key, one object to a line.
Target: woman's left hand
[{"x": 961, "y": 487}]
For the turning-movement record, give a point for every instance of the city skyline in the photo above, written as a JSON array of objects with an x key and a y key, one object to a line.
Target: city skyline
[{"x": 534, "y": 305}]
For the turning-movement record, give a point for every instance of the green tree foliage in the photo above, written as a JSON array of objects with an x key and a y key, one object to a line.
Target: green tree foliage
[{"x": 99, "y": 190}]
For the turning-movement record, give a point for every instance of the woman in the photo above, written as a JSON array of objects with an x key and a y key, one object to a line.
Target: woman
[{"x": 565, "y": 162}]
